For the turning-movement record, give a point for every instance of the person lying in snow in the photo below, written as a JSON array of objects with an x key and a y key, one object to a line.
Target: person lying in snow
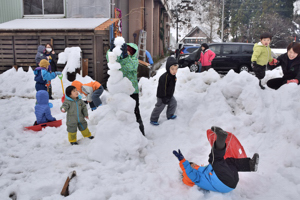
[
  {"x": 42, "y": 108},
  {"x": 220, "y": 175},
  {"x": 76, "y": 112},
  {"x": 92, "y": 91}
]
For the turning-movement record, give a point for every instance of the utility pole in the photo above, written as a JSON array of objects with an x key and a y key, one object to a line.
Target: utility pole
[
  {"x": 177, "y": 28},
  {"x": 222, "y": 33}
]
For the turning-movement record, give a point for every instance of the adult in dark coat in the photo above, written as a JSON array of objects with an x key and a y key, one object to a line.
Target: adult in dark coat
[{"x": 290, "y": 64}]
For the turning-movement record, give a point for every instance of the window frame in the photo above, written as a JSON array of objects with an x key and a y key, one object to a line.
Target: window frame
[{"x": 43, "y": 9}]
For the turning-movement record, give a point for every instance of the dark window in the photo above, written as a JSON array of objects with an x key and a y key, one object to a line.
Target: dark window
[
  {"x": 216, "y": 49},
  {"x": 231, "y": 49},
  {"x": 192, "y": 49},
  {"x": 33, "y": 7},
  {"x": 247, "y": 49},
  {"x": 43, "y": 7}
]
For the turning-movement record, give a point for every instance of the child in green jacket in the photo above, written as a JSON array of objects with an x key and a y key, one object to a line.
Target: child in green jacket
[
  {"x": 261, "y": 56},
  {"x": 76, "y": 112}
]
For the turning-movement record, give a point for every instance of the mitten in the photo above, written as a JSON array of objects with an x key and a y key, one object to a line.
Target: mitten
[
  {"x": 58, "y": 73},
  {"x": 112, "y": 44},
  {"x": 165, "y": 100},
  {"x": 273, "y": 62},
  {"x": 292, "y": 81},
  {"x": 178, "y": 155},
  {"x": 50, "y": 105},
  {"x": 124, "y": 50},
  {"x": 253, "y": 64}
]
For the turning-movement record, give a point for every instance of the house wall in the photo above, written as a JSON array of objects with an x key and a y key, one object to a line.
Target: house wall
[
  {"x": 136, "y": 19},
  {"x": 149, "y": 8},
  {"x": 19, "y": 48},
  {"x": 156, "y": 42},
  {"x": 10, "y": 10}
]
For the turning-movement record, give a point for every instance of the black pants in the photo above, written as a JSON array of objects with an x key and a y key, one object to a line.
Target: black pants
[
  {"x": 205, "y": 68},
  {"x": 276, "y": 83},
  {"x": 227, "y": 170},
  {"x": 136, "y": 109},
  {"x": 260, "y": 71},
  {"x": 137, "y": 112}
]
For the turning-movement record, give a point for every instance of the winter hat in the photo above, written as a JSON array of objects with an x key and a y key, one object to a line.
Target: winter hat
[
  {"x": 131, "y": 50},
  {"x": 78, "y": 85},
  {"x": 44, "y": 63},
  {"x": 205, "y": 46},
  {"x": 170, "y": 61}
]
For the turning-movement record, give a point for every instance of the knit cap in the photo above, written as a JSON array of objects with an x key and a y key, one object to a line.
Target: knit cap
[{"x": 44, "y": 63}]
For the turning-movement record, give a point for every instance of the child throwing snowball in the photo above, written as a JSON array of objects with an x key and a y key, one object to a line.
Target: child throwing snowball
[{"x": 76, "y": 112}]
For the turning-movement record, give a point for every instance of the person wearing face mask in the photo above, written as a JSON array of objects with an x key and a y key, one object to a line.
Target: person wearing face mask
[{"x": 290, "y": 64}]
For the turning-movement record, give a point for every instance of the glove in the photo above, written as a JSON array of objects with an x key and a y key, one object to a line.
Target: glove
[
  {"x": 124, "y": 50},
  {"x": 58, "y": 73},
  {"x": 178, "y": 155},
  {"x": 253, "y": 64},
  {"x": 165, "y": 100},
  {"x": 273, "y": 62},
  {"x": 112, "y": 44},
  {"x": 293, "y": 81},
  {"x": 50, "y": 105}
]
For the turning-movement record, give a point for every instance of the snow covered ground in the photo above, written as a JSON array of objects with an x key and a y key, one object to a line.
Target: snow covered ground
[{"x": 34, "y": 165}]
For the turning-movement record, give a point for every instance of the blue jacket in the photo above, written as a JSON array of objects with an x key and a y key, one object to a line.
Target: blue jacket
[
  {"x": 42, "y": 76},
  {"x": 42, "y": 109},
  {"x": 204, "y": 177}
]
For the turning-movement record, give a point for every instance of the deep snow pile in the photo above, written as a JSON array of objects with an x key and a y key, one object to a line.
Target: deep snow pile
[{"x": 35, "y": 165}]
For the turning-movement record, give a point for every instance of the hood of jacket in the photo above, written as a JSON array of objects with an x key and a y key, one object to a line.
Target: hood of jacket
[
  {"x": 259, "y": 44},
  {"x": 41, "y": 49},
  {"x": 70, "y": 99},
  {"x": 170, "y": 61},
  {"x": 42, "y": 97},
  {"x": 135, "y": 47}
]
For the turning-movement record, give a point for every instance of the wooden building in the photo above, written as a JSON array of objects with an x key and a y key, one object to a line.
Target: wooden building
[{"x": 20, "y": 38}]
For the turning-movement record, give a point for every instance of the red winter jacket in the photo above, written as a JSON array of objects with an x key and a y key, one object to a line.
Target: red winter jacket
[{"x": 207, "y": 57}]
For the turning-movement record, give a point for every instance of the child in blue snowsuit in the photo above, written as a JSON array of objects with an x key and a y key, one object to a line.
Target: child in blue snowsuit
[
  {"x": 42, "y": 108},
  {"x": 42, "y": 75},
  {"x": 221, "y": 175}
]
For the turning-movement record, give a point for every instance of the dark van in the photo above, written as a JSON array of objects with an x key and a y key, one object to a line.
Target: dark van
[{"x": 232, "y": 55}]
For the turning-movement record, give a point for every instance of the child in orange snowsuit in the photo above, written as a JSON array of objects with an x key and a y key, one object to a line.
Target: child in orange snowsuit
[{"x": 92, "y": 91}]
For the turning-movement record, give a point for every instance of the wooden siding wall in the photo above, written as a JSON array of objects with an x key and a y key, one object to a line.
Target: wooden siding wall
[{"x": 21, "y": 50}]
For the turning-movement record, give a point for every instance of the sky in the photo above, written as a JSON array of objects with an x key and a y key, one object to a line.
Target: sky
[{"x": 120, "y": 163}]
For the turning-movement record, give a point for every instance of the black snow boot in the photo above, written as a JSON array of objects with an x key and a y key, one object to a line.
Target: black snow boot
[
  {"x": 91, "y": 137},
  {"x": 221, "y": 137},
  {"x": 260, "y": 85},
  {"x": 254, "y": 162},
  {"x": 74, "y": 143}
]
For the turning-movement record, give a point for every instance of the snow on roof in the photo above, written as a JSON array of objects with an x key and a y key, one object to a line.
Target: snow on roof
[{"x": 53, "y": 24}]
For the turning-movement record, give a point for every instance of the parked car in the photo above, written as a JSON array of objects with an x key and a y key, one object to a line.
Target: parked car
[
  {"x": 232, "y": 55},
  {"x": 187, "y": 56}
]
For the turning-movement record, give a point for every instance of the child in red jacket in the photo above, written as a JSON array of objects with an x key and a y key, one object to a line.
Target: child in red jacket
[{"x": 206, "y": 57}]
